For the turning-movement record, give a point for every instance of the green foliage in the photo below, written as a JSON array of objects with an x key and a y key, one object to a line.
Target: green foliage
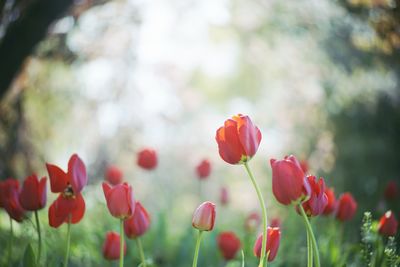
[
  {"x": 367, "y": 239},
  {"x": 29, "y": 259},
  {"x": 392, "y": 257}
]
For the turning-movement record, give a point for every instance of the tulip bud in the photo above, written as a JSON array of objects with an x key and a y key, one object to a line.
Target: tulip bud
[
  {"x": 252, "y": 222},
  {"x": 203, "y": 170},
  {"x": 273, "y": 240},
  {"x": 346, "y": 207},
  {"x": 204, "y": 217},
  {"x": 228, "y": 244},
  {"x": 147, "y": 159},
  {"x": 238, "y": 139},
  {"x": 9, "y": 194},
  {"x": 113, "y": 175},
  {"x": 120, "y": 201},
  {"x": 33, "y": 194},
  {"x": 318, "y": 200},
  {"x": 288, "y": 181},
  {"x": 139, "y": 223},
  {"x": 330, "y": 207},
  {"x": 388, "y": 224},
  {"x": 224, "y": 196},
  {"x": 111, "y": 246},
  {"x": 391, "y": 190}
]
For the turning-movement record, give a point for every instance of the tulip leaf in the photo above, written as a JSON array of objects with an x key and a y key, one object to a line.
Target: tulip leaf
[{"x": 29, "y": 257}]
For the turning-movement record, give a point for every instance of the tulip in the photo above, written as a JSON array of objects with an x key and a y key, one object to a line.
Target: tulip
[
  {"x": 33, "y": 194},
  {"x": 203, "y": 170},
  {"x": 120, "y": 201},
  {"x": 275, "y": 222},
  {"x": 113, "y": 175},
  {"x": 224, "y": 196},
  {"x": 228, "y": 244},
  {"x": 238, "y": 139},
  {"x": 204, "y": 217},
  {"x": 9, "y": 192},
  {"x": 147, "y": 159},
  {"x": 274, "y": 237},
  {"x": 330, "y": 207},
  {"x": 111, "y": 246},
  {"x": 391, "y": 190},
  {"x": 346, "y": 207},
  {"x": 388, "y": 224},
  {"x": 288, "y": 181},
  {"x": 252, "y": 222},
  {"x": 318, "y": 200},
  {"x": 139, "y": 223}
]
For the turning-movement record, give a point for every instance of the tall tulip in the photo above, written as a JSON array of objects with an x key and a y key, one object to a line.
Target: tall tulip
[
  {"x": 388, "y": 224},
  {"x": 203, "y": 169},
  {"x": 112, "y": 246},
  {"x": 274, "y": 237},
  {"x": 224, "y": 196},
  {"x": 346, "y": 207},
  {"x": 228, "y": 244},
  {"x": 113, "y": 175},
  {"x": 147, "y": 159}
]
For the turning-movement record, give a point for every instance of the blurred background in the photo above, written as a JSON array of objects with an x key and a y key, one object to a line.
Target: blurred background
[{"x": 106, "y": 78}]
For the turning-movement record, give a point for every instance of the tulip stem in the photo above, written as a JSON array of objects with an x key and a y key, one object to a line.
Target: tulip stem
[
  {"x": 121, "y": 243},
  {"x": 264, "y": 215},
  {"x": 10, "y": 244},
  {"x": 196, "y": 252},
  {"x": 39, "y": 236},
  {"x": 141, "y": 252},
  {"x": 311, "y": 234},
  {"x": 309, "y": 251},
  {"x": 68, "y": 241}
]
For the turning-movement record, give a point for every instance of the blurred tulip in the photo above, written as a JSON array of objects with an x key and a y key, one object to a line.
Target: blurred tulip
[
  {"x": 9, "y": 192},
  {"x": 330, "y": 207},
  {"x": 275, "y": 222},
  {"x": 33, "y": 195},
  {"x": 346, "y": 207},
  {"x": 120, "y": 201},
  {"x": 203, "y": 170},
  {"x": 273, "y": 240},
  {"x": 228, "y": 244},
  {"x": 111, "y": 246},
  {"x": 252, "y": 222},
  {"x": 139, "y": 223},
  {"x": 288, "y": 181},
  {"x": 318, "y": 200},
  {"x": 224, "y": 196},
  {"x": 70, "y": 204},
  {"x": 238, "y": 139},
  {"x": 304, "y": 166},
  {"x": 204, "y": 217},
  {"x": 391, "y": 190},
  {"x": 147, "y": 159},
  {"x": 113, "y": 175},
  {"x": 388, "y": 224}
]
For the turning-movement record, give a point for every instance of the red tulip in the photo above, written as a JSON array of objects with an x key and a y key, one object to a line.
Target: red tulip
[
  {"x": 275, "y": 222},
  {"x": 224, "y": 196},
  {"x": 238, "y": 139},
  {"x": 147, "y": 159},
  {"x": 120, "y": 201},
  {"x": 346, "y": 207},
  {"x": 70, "y": 204},
  {"x": 252, "y": 222},
  {"x": 139, "y": 223},
  {"x": 113, "y": 175},
  {"x": 204, "y": 217},
  {"x": 203, "y": 169},
  {"x": 111, "y": 246},
  {"x": 388, "y": 224},
  {"x": 318, "y": 200},
  {"x": 228, "y": 244},
  {"x": 9, "y": 192},
  {"x": 391, "y": 190},
  {"x": 330, "y": 207},
  {"x": 273, "y": 240},
  {"x": 304, "y": 166},
  {"x": 33, "y": 194},
  {"x": 288, "y": 181}
]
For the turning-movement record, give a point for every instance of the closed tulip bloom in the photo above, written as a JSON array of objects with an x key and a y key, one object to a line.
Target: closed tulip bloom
[
  {"x": 113, "y": 175},
  {"x": 238, "y": 139},
  {"x": 203, "y": 170},
  {"x": 228, "y": 244},
  {"x": 33, "y": 195},
  {"x": 224, "y": 196},
  {"x": 288, "y": 181},
  {"x": 120, "y": 201},
  {"x": 318, "y": 200},
  {"x": 111, "y": 246},
  {"x": 204, "y": 217},
  {"x": 388, "y": 224},
  {"x": 9, "y": 192},
  {"x": 147, "y": 159},
  {"x": 346, "y": 207},
  {"x": 391, "y": 190},
  {"x": 273, "y": 240},
  {"x": 275, "y": 222},
  {"x": 252, "y": 222},
  {"x": 139, "y": 223},
  {"x": 330, "y": 207}
]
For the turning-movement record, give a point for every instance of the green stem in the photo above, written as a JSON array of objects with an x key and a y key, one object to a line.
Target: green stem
[
  {"x": 39, "y": 236},
  {"x": 10, "y": 244},
  {"x": 121, "y": 243},
  {"x": 196, "y": 252},
  {"x": 309, "y": 251},
  {"x": 68, "y": 241},
  {"x": 264, "y": 215},
  {"x": 312, "y": 237},
  {"x": 141, "y": 252}
]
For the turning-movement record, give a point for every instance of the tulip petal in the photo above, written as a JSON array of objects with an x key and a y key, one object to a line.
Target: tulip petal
[
  {"x": 77, "y": 173},
  {"x": 249, "y": 135},
  {"x": 58, "y": 178},
  {"x": 224, "y": 149},
  {"x": 57, "y": 215},
  {"x": 79, "y": 209}
]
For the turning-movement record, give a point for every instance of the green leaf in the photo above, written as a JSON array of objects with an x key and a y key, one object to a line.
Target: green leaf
[{"x": 29, "y": 257}]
